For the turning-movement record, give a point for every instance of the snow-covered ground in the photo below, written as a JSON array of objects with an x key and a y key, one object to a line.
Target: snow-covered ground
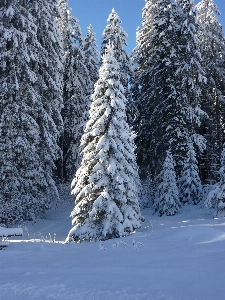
[{"x": 181, "y": 257}]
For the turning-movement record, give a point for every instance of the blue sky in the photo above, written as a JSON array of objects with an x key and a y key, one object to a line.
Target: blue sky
[{"x": 96, "y": 12}]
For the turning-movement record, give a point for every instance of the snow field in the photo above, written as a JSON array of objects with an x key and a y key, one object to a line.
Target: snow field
[{"x": 180, "y": 257}]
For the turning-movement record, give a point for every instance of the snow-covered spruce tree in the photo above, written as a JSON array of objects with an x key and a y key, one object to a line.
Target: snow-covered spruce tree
[
  {"x": 170, "y": 79},
  {"x": 48, "y": 85},
  {"x": 190, "y": 186},
  {"x": 106, "y": 185},
  {"x": 212, "y": 196},
  {"x": 218, "y": 195},
  {"x": 213, "y": 59},
  {"x": 115, "y": 34},
  {"x": 91, "y": 55},
  {"x": 76, "y": 91},
  {"x": 147, "y": 193},
  {"x": 190, "y": 78},
  {"x": 150, "y": 89},
  {"x": 23, "y": 184},
  {"x": 167, "y": 195}
]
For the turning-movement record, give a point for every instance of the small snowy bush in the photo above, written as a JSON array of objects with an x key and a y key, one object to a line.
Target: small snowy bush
[{"x": 167, "y": 196}]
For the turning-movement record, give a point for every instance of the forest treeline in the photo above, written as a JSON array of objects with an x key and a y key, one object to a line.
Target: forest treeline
[{"x": 60, "y": 98}]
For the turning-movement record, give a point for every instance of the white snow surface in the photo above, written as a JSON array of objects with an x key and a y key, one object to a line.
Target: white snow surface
[{"x": 180, "y": 257}]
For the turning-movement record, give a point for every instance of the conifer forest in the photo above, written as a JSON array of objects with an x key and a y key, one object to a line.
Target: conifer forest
[{"x": 127, "y": 131}]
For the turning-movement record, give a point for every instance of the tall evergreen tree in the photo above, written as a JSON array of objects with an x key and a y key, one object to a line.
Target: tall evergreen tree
[
  {"x": 150, "y": 57},
  {"x": 106, "y": 185},
  {"x": 169, "y": 78},
  {"x": 189, "y": 81},
  {"x": 23, "y": 184},
  {"x": 213, "y": 60},
  {"x": 167, "y": 195},
  {"x": 49, "y": 84},
  {"x": 115, "y": 34},
  {"x": 76, "y": 90},
  {"x": 91, "y": 56}
]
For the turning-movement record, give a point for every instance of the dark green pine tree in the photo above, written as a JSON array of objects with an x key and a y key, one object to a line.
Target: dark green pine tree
[
  {"x": 168, "y": 85},
  {"x": 23, "y": 185},
  {"x": 150, "y": 88},
  {"x": 189, "y": 81},
  {"x": 91, "y": 55},
  {"x": 76, "y": 91},
  {"x": 48, "y": 87},
  {"x": 213, "y": 59}
]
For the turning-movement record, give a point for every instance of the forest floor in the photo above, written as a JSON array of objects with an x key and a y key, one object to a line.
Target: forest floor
[{"x": 180, "y": 257}]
